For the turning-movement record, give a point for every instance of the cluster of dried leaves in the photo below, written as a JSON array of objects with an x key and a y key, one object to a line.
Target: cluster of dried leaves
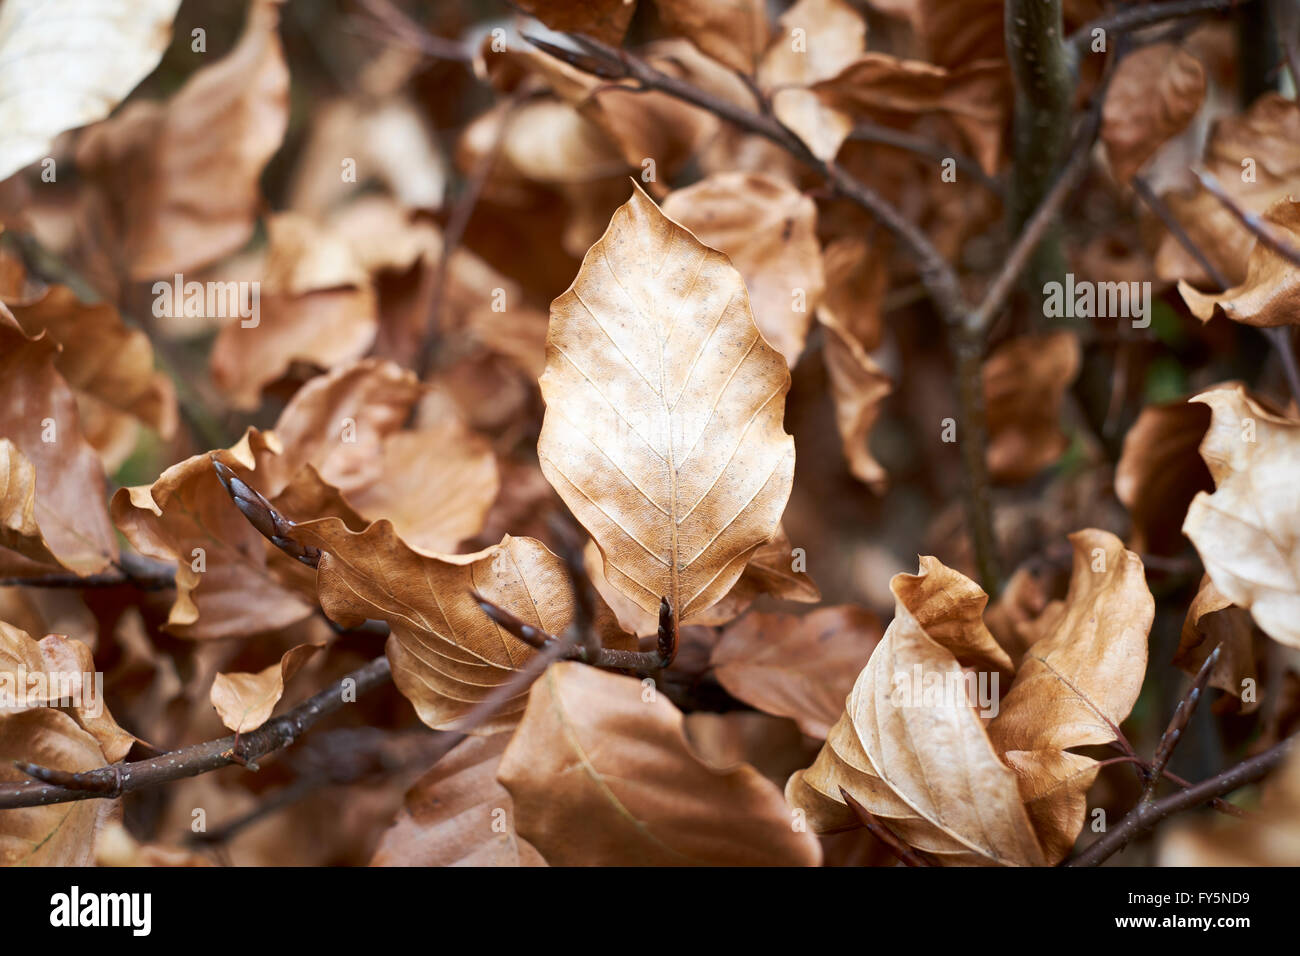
[{"x": 576, "y": 536}]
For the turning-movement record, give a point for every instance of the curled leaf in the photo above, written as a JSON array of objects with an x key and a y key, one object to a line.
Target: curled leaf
[{"x": 245, "y": 701}]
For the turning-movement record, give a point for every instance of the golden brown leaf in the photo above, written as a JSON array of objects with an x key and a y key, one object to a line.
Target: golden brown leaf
[
  {"x": 52, "y": 488},
  {"x": 909, "y": 745},
  {"x": 101, "y": 356},
  {"x": 224, "y": 587},
  {"x": 605, "y": 20},
  {"x": 315, "y": 305},
  {"x": 733, "y": 32},
  {"x": 245, "y": 701},
  {"x": 831, "y": 35},
  {"x": 62, "y": 834},
  {"x": 458, "y": 815},
  {"x": 858, "y": 388},
  {"x": 799, "y": 667},
  {"x": 1214, "y": 621},
  {"x": 663, "y": 429},
  {"x": 1025, "y": 381},
  {"x": 446, "y": 653},
  {"x": 1154, "y": 94},
  {"x": 1245, "y": 531},
  {"x": 179, "y": 182},
  {"x": 599, "y": 774},
  {"x": 1159, "y": 473},
  {"x": 1074, "y": 683},
  {"x": 768, "y": 230},
  {"x": 1270, "y": 294}
]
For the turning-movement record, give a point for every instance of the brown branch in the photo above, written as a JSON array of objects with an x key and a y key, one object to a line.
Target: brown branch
[
  {"x": 1137, "y": 17},
  {"x": 1146, "y": 815},
  {"x": 133, "y": 570},
  {"x": 276, "y": 734},
  {"x": 881, "y": 832}
]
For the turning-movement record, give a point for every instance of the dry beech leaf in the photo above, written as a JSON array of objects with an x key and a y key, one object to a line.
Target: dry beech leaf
[
  {"x": 101, "y": 356},
  {"x": 438, "y": 485},
  {"x": 1267, "y": 136},
  {"x": 316, "y": 306},
  {"x": 605, "y": 20},
  {"x": 70, "y": 666},
  {"x": 768, "y": 230},
  {"x": 858, "y": 389},
  {"x": 733, "y": 32},
  {"x": 1214, "y": 621},
  {"x": 776, "y": 571},
  {"x": 1025, "y": 381},
  {"x": 600, "y": 775},
  {"x": 445, "y": 652},
  {"x": 245, "y": 701},
  {"x": 1246, "y": 530},
  {"x": 88, "y": 59},
  {"x": 1270, "y": 836},
  {"x": 925, "y": 767},
  {"x": 62, "y": 834},
  {"x": 179, "y": 180},
  {"x": 1076, "y": 681},
  {"x": 224, "y": 587},
  {"x": 857, "y": 278},
  {"x": 1270, "y": 294},
  {"x": 798, "y": 667},
  {"x": 663, "y": 430},
  {"x": 341, "y": 433},
  {"x": 52, "y": 487},
  {"x": 895, "y": 92},
  {"x": 1155, "y": 93},
  {"x": 452, "y": 816},
  {"x": 832, "y": 36},
  {"x": 1160, "y": 472}
]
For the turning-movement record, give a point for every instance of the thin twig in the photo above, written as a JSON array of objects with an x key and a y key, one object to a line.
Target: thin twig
[
  {"x": 134, "y": 570},
  {"x": 276, "y": 734},
  {"x": 1137, "y": 17},
  {"x": 1146, "y": 815},
  {"x": 1178, "y": 723}
]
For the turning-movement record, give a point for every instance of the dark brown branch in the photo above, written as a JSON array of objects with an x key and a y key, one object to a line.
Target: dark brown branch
[
  {"x": 133, "y": 570},
  {"x": 1178, "y": 723},
  {"x": 1137, "y": 17},
  {"x": 1146, "y": 815},
  {"x": 276, "y": 734},
  {"x": 536, "y": 638},
  {"x": 877, "y": 829}
]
